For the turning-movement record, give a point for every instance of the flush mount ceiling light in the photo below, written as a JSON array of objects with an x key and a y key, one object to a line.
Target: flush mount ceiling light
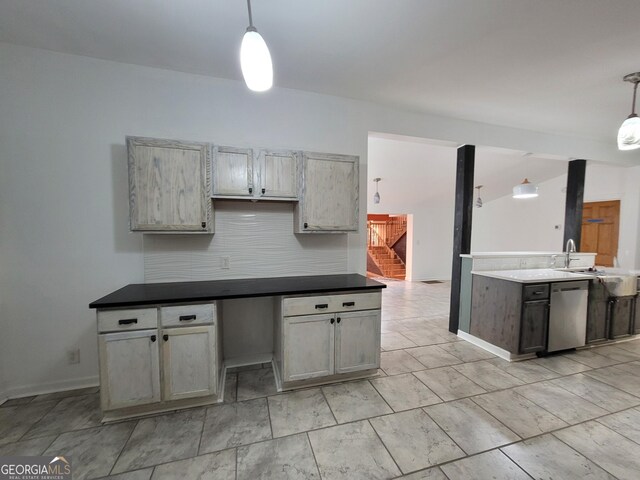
[
  {"x": 629, "y": 133},
  {"x": 479, "y": 200},
  {"x": 376, "y": 196},
  {"x": 525, "y": 190},
  {"x": 255, "y": 59}
]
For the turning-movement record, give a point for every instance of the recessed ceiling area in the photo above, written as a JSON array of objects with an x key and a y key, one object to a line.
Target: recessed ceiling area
[{"x": 545, "y": 66}]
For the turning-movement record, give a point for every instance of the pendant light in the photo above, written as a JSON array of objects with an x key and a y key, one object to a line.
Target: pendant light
[
  {"x": 479, "y": 200},
  {"x": 525, "y": 190},
  {"x": 629, "y": 133},
  {"x": 255, "y": 59},
  {"x": 376, "y": 196}
]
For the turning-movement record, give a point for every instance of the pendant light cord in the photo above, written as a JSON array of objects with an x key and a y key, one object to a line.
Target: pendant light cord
[
  {"x": 251, "y": 17},
  {"x": 633, "y": 105}
]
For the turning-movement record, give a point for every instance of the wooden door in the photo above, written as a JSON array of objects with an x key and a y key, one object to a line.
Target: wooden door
[
  {"x": 308, "y": 347},
  {"x": 129, "y": 369},
  {"x": 232, "y": 171},
  {"x": 357, "y": 341},
  {"x": 189, "y": 362},
  {"x": 277, "y": 174},
  {"x": 600, "y": 227}
]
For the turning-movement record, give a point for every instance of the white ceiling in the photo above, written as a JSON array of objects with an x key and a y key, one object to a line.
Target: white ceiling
[{"x": 545, "y": 65}]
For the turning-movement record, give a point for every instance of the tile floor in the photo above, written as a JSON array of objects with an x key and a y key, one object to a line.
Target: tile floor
[{"x": 440, "y": 408}]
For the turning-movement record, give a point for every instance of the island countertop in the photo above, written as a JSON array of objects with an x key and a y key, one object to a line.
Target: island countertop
[
  {"x": 201, "y": 291},
  {"x": 536, "y": 275}
]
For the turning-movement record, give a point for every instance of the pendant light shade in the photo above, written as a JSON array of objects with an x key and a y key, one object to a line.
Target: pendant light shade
[
  {"x": 255, "y": 59},
  {"x": 525, "y": 190},
  {"x": 376, "y": 196},
  {"x": 629, "y": 133}
]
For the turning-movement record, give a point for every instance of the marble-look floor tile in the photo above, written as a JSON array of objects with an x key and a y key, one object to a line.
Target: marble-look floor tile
[
  {"x": 213, "y": 466},
  {"x": 448, "y": 383},
  {"x": 611, "y": 451},
  {"x": 590, "y": 358},
  {"x": 632, "y": 346},
  {"x": 389, "y": 326},
  {"x": 144, "y": 474},
  {"x": 414, "y": 440},
  {"x": 561, "y": 364},
  {"x": 299, "y": 411},
  {"x": 547, "y": 457},
  {"x": 16, "y": 421},
  {"x": 230, "y": 387},
  {"x": 471, "y": 427},
  {"x": 17, "y": 401},
  {"x": 288, "y": 458},
  {"x": 403, "y": 392},
  {"x": 351, "y": 452},
  {"x": 26, "y": 448},
  {"x": 466, "y": 351},
  {"x": 256, "y": 384},
  {"x": 399, "y": 361},
  {"x": 433, "y": 356},
  {"x": 424, "y": 336},
  {"x": 562, "y": 403},
  {"x": 65, "y": 394},
  {"x": 617, "y": 377},
  {"x": 235, "y": 424},
  {"x": 488, "y": 376},
  {"x": 631, "y": 367},
  {"x": 494, "y": 465},
  {"x": 355, "y": 401},
  {"x": 522, "y": 416},
  {"x": 70, "y": 413},
  {"x": 162, "y": 439},
  {"x": 93, "y": 451},
  {"x": 395, "y": 341},
  {"x": 601, "y": 394},
  {"x": 433, "y": 473},
  {"x": 527, "y": 371},
  {"x": 618, "y": 354},
  {"x": 626, "y": 423}
]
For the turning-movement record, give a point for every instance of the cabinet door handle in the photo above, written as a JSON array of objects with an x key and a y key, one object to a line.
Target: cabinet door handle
[
  {"x": 152, "y": 338},
  {"x": 338, "y": 320},
  {"x": 322, "y": 305},
  {"x": 165, "y": 337},
  {"x": 204, "y": 224},
  {"x": 331, "y": 321},
  {"x": 348, "y": 304},
  {"x": 264, "y": 190},
  {"x": 127, "y": 321},
  {"x": 250, "y": 190},
  {"x": 306, "y": 225},
  {"x": 186, "y": 318},
  {"x": 538, "y": 293}
]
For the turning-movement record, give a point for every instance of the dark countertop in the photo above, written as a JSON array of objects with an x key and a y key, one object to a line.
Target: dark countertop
[{"x": 182, "y": 292}]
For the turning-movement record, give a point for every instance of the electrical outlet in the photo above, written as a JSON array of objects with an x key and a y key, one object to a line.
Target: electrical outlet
[
  {"x": 224, "y": 263},
  {"x": 73, "y": 356}
]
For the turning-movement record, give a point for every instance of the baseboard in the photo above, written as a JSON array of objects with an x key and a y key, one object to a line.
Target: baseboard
[
  {"x": 50, "y": 387},
  {"x": 500, "y": 352}
]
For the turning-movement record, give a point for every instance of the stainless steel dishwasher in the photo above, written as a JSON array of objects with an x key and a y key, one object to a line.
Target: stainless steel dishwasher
[{"x": 568, "y": 315}]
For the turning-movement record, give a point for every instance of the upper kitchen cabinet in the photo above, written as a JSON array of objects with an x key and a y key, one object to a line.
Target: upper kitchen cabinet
[
  {"x": 329, "y": 194},
  {"x": 169, "y": 183},
  {"x": 254, "y": 174}
]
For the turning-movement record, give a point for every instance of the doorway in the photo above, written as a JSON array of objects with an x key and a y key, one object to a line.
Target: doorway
[
  {"x": 600, "y": 228},
  {"x": 387, "y": 246}
]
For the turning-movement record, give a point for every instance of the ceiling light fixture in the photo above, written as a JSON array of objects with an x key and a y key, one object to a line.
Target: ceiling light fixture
[
  {"x": 525, "y": 190},
  {"x": 376, "y": 196},
  {"x": 629, "y": 133},
  {"x": 479, "y": 200},
  {"x": 255, "y": 59}
]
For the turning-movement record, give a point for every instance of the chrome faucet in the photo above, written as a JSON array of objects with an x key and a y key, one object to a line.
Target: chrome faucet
[{"x": 570, "y": 248}]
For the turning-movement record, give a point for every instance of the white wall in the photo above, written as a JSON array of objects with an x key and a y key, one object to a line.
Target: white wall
[{"x": 63, "y": 181}]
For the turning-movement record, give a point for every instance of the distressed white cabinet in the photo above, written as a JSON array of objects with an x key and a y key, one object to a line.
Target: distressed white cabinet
[
  {"x": 357, "y": 341},
  {"x": 189, "y": 362},
  {"x": 169, "y": 183},
  {"x": 254, "y": 174},
  {"x": 308, "y": 347},
  {"x": 329, "y": 194},
  {"x": 129, "y": 369}
]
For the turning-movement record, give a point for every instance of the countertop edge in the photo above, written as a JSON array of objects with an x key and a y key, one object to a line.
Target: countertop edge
[{"x": 563, "y": 278}]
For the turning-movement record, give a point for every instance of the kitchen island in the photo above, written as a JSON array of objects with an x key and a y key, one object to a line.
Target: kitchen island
[{"x": 166, "y": 346}]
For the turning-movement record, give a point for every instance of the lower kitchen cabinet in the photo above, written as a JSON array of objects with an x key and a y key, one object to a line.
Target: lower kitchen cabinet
[
  {"x": 129, "y": 369},
  {"x": 189, "y": 359},
  {"x": 308, "y": 343},
  {"x": 534, "y": 326},
  {"x": 621, "y": 316},
  {"x": 357, "y": 341},
  {"x": 597, "y": 313}
]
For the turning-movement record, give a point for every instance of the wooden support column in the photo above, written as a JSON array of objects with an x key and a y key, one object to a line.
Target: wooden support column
[
  {"x": 573, "y": 206},
  {"x": 461, "y": 226}
]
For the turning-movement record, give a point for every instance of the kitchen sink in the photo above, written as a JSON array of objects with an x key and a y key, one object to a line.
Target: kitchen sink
[{"x": 617, "y": 284}]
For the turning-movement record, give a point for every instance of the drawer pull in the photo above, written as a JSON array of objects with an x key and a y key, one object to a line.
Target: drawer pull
[
  {"x": 338, "y": 320},
  {"x": 186, "y": 318},
  {"x": 331, "y": 321},
  {"x": 322, "y": 305},
  {"x": 127, "y": 321},
  {"x": 348, "y": 304},
  {"x": 152, "y": 338},
  {"x": 538, "y": 293}
]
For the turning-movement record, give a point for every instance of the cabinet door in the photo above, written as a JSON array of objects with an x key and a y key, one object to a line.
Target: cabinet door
[
  {"x": 597, "y": 327},
  {"x": 636, "y": 328},
  {"x": 357, "y": 341},
  {"x": 533, "y": 328},
  {"x": 169, "y": 186},
  {"x": 621, "y": 311},
  {"x": 277, "y": 173},
  {"x": 329, "y": 200},
  {"x": 189, "y": 362},
  {"x": 308, "y": 347},
  {"x": 232, "y": 171},
  {"x": 129, "y": 369}
]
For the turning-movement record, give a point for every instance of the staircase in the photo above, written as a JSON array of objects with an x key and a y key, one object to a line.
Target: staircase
[
  {"x": 388, "y": 262},
  {"x": 382, "y": 236}
]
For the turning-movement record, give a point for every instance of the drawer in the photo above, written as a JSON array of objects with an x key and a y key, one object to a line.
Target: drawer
[
  {"x": 536, "y": 292},
  {"x": 127, "y": 319},
  {"x": 356, "y": 301},
  {"x": 201, "y": 314},
  {"x": 293, "y": 306}
]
